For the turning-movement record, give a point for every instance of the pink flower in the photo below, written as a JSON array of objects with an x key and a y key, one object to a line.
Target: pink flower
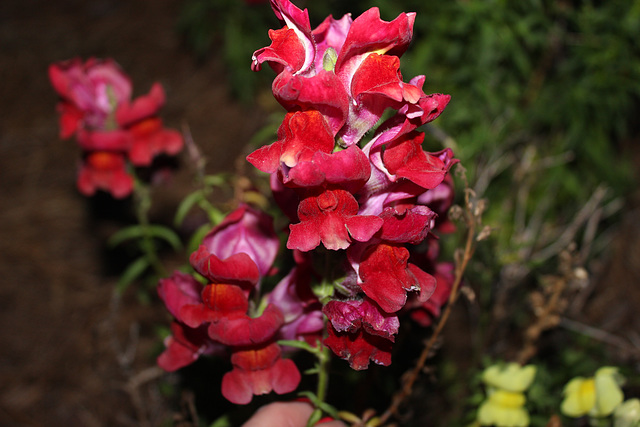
[
  {"x": 352, "y": 88},
  {"x": 245, "y": 230},
  {"x": 300, "y": 307},
  {"x": 300, "y": 136},
  {"x": 95, "y": 106},
  {"x": 90, "y": 93}
]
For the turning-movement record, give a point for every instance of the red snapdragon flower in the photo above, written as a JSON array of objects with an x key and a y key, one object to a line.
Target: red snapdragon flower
[
  {"x": 113, "y": 131},
  {"x": 107, "y": 171},
  {"x": 259, "y": 370},
  {"x": 90, "y": 93},
  {"x": 233, "y": 257},
  {"x": 331, "y": 218}
]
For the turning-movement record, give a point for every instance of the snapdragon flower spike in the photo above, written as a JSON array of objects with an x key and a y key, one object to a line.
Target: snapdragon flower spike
[
  {"x": 96, "y": 106},
  {"x": 331, "y": 218},
  {"x": 245, "y": 230},
  {"x": 259, "y": 370}
]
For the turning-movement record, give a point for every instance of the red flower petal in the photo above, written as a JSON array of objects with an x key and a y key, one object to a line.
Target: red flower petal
[
  {"x": 245, "y": 330},
  {"x": 327, "y": 217},
  {"x": 300, "y": 136},
  {"x": 359, "y": 348},
  {"x": 105, "y": 171},
  {"x": 406, "y": 159},
  {"x": 179, "y": 290},
  {"x": 386, "y": 276},
  {"x": 236, "y": 269},
  {"x": 259, "y": 371},
  {"x": 406, "y": 225},
  {"x": 352, "y": 315},
  {"x": 286, "y": 51},
  {"x": 142, "y": 107}
]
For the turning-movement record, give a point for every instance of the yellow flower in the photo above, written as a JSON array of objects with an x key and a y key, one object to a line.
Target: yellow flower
[
  {"x": 504, "y": 409},
  {"x": 627, "y": 414},
  {"x": 504, "y": 406},
  {"x": 597, "y": 396},
  {"x": 511, "y": 377}
]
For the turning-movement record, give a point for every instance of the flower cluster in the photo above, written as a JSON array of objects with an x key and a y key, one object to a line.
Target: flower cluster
[
  {"x": 362, "y": 201},
  {"x": 597, "y": 396},
  {"x": 112, "y": 130},
  {"x": 222, "y": 315},
  {"x": 505, "y": 402},
  {"x": 342, "y": 192}
]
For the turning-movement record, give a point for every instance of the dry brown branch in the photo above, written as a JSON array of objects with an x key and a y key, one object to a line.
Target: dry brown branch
[{"x": 472, "y": 214}]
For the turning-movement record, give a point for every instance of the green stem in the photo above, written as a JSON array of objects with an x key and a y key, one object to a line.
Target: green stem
[
  {"x": 142, "y": 197},
  {"x": 324, "y": 359}
]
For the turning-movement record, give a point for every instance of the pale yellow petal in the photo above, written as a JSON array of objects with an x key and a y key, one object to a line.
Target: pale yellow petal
[
  {"x": 579, "y": 397},
  {"x": 608, "y": 392}
]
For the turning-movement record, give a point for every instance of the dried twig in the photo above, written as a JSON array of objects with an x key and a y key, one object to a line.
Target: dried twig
[{"x": 473, "y": 212}]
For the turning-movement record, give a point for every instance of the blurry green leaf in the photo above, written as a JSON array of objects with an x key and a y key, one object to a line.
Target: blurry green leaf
[
  {"x": 185, "y": 206},
  {"x": 131, "y": 273},
  {"x": 139, "y": 231}
]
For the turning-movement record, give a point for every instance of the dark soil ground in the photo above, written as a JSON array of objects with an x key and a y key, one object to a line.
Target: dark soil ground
[{"x": 71, "y": 354}]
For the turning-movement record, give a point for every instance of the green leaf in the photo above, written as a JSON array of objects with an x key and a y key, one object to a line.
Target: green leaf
[
  {"x": 218, "y": 180},
  {"x": 324, "y": 406},
  {"x": 315, "y": 416},
  {"x": 139, "y": 231},
  {"x": 185, "y": 206},
  {"x": 223, "y": 421},
  {"x": 132, "y": 272}
]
